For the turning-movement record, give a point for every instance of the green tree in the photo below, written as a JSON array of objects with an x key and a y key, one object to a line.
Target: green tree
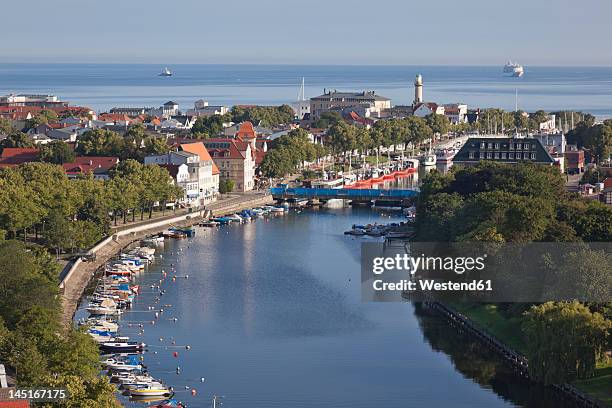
[
  {"x": 564, "y": 341},
  {"x": 17, "y": 139},
  {"x": 342, "y": 137},
  {"x": 56, "y": 152},
  {"x": 6, "y": 127},
  {"x": 226, "y": 186},
  {"x": 439, "y": 124},
  {"x": 100, "y": 142},
  {"x": 210, "y": 125},
  {"x": 327, "y": 119}
]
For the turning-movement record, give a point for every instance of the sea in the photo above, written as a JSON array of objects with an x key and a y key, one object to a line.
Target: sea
[{"x": 103, "y": 86}]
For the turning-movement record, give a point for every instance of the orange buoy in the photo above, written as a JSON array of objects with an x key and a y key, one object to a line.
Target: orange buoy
[{"x": 194, "y": 392}]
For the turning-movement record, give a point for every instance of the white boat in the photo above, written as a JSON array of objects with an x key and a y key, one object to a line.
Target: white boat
[
  {"x": 165, "y": 72},
  {"x": 277, "y": 209},
  {"x": 234, "y": 217},
  {"x": 150, "y": 390},
  {"x": 513, "y": 69},
  {"x": 118, "y": 365}
]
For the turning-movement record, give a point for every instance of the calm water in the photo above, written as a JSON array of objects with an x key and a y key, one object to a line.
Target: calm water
[
  {"x": 273, "y": 314},
  {"x": 102, "y": 86}
]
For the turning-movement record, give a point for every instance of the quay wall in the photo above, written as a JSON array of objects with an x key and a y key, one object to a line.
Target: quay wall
[{"x": 80, "y": 273}]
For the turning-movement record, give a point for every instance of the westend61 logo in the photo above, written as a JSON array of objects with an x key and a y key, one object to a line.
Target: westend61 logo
[
  {"x": 486, "y": 272},
  {"x": 405, "y": 262}
]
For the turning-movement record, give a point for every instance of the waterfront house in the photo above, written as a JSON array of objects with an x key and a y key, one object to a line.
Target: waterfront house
[
  {"x": 503, "y": 150},
  {"x": 236, "y": 160},
  {"x": 208, "y": 174},
  {"x": 203, "y": 184}
]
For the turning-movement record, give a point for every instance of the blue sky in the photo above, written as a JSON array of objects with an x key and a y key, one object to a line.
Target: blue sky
[{"x": 455, "y": 32}]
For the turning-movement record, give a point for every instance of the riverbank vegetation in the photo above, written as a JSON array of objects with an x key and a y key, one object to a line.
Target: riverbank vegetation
[
  {"x": 36, "y": 349},
  {"x": 42, "y": 211},
  {"x": 564, "y": 341}
]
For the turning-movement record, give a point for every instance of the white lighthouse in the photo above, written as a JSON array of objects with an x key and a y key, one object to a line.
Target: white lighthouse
[{"x": 418, "y": 90}]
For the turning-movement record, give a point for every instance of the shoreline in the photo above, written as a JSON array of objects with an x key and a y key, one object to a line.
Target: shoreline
[{"x": 75, "y": 282}]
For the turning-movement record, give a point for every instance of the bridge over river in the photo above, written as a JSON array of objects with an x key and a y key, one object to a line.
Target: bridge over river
[{"x": 400, "y": 198}]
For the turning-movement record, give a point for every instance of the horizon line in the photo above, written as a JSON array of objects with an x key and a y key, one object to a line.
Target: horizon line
[{"x": 293, "y": 64}]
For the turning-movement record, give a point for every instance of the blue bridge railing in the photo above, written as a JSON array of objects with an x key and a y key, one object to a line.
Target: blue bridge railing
[{"x": 341, "y": 193}]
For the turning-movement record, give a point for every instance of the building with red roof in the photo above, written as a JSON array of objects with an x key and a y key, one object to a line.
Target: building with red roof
[
  {"x": 246, "y": 131},
  {"x": 208, "y": 172},
  {"x": 98, "y": 166},
  {"x": 14, "y": 156},
  {"x": 236, "y": 160}
]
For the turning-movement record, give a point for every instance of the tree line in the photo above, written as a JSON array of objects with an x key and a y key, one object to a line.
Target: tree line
[
  {"x": 267, "y": 116},
  {"x": 528, "y": 203},
  {"x": 38, "y": 202}
]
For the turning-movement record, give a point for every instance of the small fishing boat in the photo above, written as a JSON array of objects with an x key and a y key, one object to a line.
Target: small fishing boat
[
  {"x": 355, "y": 231},
  {"x": 151, "y": 390},
  {"x": 119, "y": 365},
  {"x": 234, "y": 217},
  {"x": 277, "y": 210},
  {"x": 210, "y": 224},
  {"x": 122, "y": 345}
]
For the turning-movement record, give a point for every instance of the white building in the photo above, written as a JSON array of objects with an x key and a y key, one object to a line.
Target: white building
[
  {"x": 200, "y": 174},
  {"x": 456, "y": 112},
  {"x": 202, "y": 108}
]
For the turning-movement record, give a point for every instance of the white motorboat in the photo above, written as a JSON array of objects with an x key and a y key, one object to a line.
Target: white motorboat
[
  {"x": 150, "y": 390},
  {"x": 119, "y": 365}
]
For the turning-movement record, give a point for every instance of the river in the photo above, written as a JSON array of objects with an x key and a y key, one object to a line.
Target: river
[{"x": 273, "y": 315}]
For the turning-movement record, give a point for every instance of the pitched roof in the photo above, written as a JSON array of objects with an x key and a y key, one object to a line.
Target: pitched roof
[
  {"x": 196, "y": 148},
  {"x": 493, "y": 147},
  {"x": 90, "y": 164},
  {"x": 246, "y": 131},
  {"x": 14, "y": 156},
  {"x": 608, "y": 182}
]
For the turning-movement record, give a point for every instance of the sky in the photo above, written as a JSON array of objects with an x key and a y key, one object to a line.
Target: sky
[{"x": 446, "y": 32}]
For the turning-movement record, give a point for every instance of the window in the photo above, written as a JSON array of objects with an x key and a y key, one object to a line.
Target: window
[
  {"x": 511, "y": 155},
  {"x": 482, "y": 145},
  {"x": 519, "y": 156},
  {"x": 497, "y": 145},
  {"x": 533, "y": 156},
  {"x": 482, "y": 155},
  {"x": 471, "y": 155},
  {"x": 503, "y": 155},
  {"x": 489, "y": 155},
  {"x": 490, "y": 145},
  {"x": 497, "y": 155}
]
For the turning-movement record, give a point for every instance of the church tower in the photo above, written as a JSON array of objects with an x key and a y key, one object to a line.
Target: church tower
[{"x": 418, "y": 90}]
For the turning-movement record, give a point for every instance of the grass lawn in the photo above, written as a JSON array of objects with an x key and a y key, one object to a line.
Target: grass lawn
[
  {"x": 508, "y": 330},
  {"x": 600, "y": 386},
  {"x": 489, "y": 318}
]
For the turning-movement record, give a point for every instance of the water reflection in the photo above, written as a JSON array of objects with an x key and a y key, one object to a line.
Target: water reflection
[{"x": 481, "y": 365}]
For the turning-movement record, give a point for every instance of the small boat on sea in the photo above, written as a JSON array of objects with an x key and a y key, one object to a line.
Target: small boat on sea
[
  {"x": 513, "y": 69},
  {"x": 165, "y": 72}
]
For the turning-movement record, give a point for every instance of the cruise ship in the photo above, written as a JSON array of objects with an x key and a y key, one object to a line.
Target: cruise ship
[{"x": 513, "y": 69}]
